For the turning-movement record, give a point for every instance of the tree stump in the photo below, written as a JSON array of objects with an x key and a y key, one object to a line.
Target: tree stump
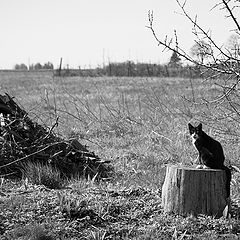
[{"x": 195, "y": 191}]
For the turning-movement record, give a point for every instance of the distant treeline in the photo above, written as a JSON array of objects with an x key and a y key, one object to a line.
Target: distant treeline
[
  {"x": 37, "y": 66},
  {"x": 132, "y": 69},
  {"x": 122, "y": 69}
]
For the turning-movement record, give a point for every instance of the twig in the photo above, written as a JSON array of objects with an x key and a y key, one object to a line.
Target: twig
[
  {"x": 231, "y": 14},
  {"x": 30, "y": 155}
]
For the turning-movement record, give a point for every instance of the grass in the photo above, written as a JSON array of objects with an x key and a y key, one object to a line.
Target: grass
[
  {"x": 140, "y": 125},
  {"x": 40, "y": 174},
  {"x": 30, "y": 232}
]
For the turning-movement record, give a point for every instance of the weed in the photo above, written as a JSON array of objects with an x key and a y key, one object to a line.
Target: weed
[
  {"x": 74, "y": 208},
  {"x": 46, "y": 175}
]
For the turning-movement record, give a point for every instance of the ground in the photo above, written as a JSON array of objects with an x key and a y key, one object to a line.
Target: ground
[{"x": 139, "y": 125}]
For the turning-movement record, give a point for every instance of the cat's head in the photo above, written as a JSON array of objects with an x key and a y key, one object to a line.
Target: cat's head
[{"x": 195, "y": 132}]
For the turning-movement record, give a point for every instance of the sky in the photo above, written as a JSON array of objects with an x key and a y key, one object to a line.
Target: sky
[{"x": 90, "y": 33}]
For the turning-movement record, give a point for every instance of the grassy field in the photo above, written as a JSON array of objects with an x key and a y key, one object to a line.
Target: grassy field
[{"x": 140, "y": 125}]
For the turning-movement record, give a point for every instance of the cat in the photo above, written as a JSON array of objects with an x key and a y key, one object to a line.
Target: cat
[{"x": 210, "y": 152}]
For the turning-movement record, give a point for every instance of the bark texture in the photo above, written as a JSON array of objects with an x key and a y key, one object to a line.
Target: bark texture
[{"x": 194, "y": 191}]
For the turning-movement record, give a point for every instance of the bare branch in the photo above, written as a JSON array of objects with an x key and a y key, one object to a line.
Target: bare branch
[
  {"x": 183, "y": 54},
  {"x": 30, "y": 155},
  {"x": 230, "y": 11},
  {"x": 196, "y": 25}
]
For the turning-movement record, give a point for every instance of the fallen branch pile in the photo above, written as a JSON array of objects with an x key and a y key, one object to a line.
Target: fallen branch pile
[{"x": 22, "y": 140}]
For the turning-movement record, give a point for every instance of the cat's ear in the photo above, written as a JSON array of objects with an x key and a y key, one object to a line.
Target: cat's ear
[
  {"x": 199, "y": 127},
  {"x": 190, "y": 127}
]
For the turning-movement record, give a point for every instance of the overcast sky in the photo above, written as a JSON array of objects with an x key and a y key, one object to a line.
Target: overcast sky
[{"x": 90, "y": 32}]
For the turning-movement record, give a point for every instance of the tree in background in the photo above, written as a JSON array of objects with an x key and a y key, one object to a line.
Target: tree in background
[
  {"x": 38, "y": 66},
  {"x": 175, "y": 60},
  {"x": 21, "y": 66},
  {"x": 48, "y": 65},
  {"x": 201, "y": 51},
  {"x": 233, "y": 45}
]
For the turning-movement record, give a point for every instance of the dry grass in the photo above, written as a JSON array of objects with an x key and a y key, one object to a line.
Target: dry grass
[
  {"x": 140, "y": 124},
  {"x": 40, "y": 174}
]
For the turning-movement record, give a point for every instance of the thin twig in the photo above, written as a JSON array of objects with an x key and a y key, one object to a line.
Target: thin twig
[
  {"x": 231, "y": 14},
  {"x": 30, "y": 155}
]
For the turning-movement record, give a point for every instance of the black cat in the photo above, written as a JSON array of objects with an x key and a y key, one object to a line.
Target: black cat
[{"x": 210, "y": 152}]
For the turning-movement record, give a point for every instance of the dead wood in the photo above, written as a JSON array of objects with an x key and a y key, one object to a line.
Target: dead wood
[{"x": 23, "y": 140}]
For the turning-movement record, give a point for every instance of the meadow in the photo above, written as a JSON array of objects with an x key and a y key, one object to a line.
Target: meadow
[{"x": 139, "y": 125}]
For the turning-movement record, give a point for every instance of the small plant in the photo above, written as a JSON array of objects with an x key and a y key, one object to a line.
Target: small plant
[
  {"x": 46, "y": 175},
  {"x": 73, "y": 208}
]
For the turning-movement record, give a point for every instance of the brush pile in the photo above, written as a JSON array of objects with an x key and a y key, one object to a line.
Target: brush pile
[{"x": 22, "y": 140}]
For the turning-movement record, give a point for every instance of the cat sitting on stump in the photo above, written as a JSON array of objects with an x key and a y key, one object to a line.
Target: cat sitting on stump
[{"x": 210, "y": 152}]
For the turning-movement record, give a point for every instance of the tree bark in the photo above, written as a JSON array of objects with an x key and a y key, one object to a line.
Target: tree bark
[{"x": 195, "y": 191}]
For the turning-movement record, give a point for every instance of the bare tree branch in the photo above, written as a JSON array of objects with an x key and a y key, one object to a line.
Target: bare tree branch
[
  {"x": 231, "y": 13},
  {"x": 221, "y": 67}
]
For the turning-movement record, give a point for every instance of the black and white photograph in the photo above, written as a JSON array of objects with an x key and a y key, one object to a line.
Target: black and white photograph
[{"x": 119, "y": 120}]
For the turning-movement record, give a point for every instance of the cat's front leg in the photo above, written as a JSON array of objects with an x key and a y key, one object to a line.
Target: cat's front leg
[{"x": 199, "y": 163}]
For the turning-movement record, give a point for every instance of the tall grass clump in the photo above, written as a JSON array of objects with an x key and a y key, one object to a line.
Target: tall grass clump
[{"x": 42, "y": 174}]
